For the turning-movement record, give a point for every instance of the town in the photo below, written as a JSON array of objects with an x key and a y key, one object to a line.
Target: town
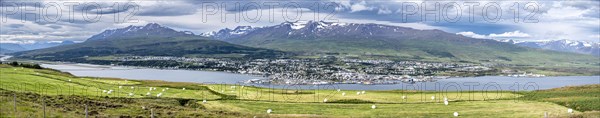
[{"x": 324, "y": 70}]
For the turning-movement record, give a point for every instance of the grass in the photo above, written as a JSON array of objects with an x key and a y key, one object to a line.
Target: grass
[
  {"x": 500, "y": 108},
  {"x": 36, "y": 88},
  {"x": 581, "y": 98},
  {"x": 282, "y": 95}
]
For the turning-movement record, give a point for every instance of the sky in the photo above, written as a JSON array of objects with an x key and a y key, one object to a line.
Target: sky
[{"x": 41, "y": 21}]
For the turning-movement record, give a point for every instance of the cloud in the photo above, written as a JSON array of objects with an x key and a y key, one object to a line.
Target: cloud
[
  {"x": 384, "y": 11},
  {"x": 16, "y": 25},
  {"x": 574, "y": 20},
  {"x": 361, "y": 6},
  {"x": 505, "y": 35},
  {"x": 514, "y": 34},
  {"x": 472, "y": 35}
]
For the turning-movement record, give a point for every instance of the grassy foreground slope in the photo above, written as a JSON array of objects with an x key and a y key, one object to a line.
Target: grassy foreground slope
[{"x": 64, "y": 95}]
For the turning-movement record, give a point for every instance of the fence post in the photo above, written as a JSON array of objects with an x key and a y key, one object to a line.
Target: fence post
[
  {"x": 44, "y": 107},
  {"x": 15, "y": 103},
  {"x": 151, "y": 113},
  {"x": 86, "y": 113}
]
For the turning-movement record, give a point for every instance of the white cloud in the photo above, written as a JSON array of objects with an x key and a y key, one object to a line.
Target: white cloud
[
  {"x": 361, "y": 6},
  {"x": 514, "y": 34},
  {"x": 472, "y": 35},
  {"x": 506, "y": 35},
  {"x": 573, "y": 20}
]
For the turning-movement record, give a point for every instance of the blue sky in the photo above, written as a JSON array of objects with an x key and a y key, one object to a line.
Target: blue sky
[{"x": 537, "y": 20}]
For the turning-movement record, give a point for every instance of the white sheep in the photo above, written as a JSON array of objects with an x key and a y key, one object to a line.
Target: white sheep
[
  {"x": 159, "y": 94},
  {"x": 373, "y": 106},
  {"x": 344, "y": 94},
  {"x": 183, "y": 88},
  {"x": 403, "y": 97},
  {"x": 455, "y": 114},
  {"x": 269, "y": 111},
  {"x": 570, "y": 110},
  {"x": 325, "y": 100},
  {"x": 203, "y": 101},
  {"x": 120, "y": 87}
]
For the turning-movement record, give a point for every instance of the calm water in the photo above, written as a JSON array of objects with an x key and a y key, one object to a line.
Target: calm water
[
  {"x": 452, "y": 84},
  {"x": 150, "y": 74}
]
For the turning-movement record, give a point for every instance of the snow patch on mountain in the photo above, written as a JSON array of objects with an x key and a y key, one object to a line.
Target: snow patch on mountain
[{"x": 564, "y": 45}]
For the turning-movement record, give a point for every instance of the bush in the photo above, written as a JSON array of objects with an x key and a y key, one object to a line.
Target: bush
[{"x": 25, "y": 65}]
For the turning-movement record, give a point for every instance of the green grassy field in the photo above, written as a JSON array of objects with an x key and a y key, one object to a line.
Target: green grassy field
[{"x": 64, "y": 95}]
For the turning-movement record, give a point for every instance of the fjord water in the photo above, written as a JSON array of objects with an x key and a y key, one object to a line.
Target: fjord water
[
  {"x": 89, "y": 70},
  {"x": 452, "y": 84}
]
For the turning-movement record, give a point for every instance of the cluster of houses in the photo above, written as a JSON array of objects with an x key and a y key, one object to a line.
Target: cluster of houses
[{"x": 324, "y": 70}]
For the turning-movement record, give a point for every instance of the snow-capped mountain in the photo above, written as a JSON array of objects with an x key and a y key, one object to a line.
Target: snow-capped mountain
[
  {"x": 314, "y": 29},
  {"x": 151, "y": 29},
  {"x": 229, "y": 33},
  {"x": 581, "y": 47}
]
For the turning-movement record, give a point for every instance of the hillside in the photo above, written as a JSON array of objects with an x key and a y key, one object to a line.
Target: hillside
[
  {"x": 224, "y": 101},
  {"x": 149, "y": 40}
]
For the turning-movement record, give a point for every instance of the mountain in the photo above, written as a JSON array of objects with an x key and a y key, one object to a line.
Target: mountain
[
  {"x": 149, "y": 30},
  {"x": 10, "y": 47},
  {"x": 40, "y": 45},
  {"x": 149, "y": 40},
  {"x": 377, "y": 40},
  {"x": 14, "y": 47},
  {"x": 4, "y": 51},
  {"x": 581, "y": 47},
  {"x": 229, "y": 33}
]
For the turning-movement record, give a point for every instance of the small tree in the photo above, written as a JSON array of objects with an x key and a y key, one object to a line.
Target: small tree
[
  {"x": 14, "y": 63},
  {"x": 37, "y": 66}
]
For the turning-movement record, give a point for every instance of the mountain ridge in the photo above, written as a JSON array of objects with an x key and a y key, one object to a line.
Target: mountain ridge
[
  {"x": 149, "y": 40},
  {"x": 150, "y": 29},
  {"x": 563, "y": 45},
  {"x": 378, "y": 40}
]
